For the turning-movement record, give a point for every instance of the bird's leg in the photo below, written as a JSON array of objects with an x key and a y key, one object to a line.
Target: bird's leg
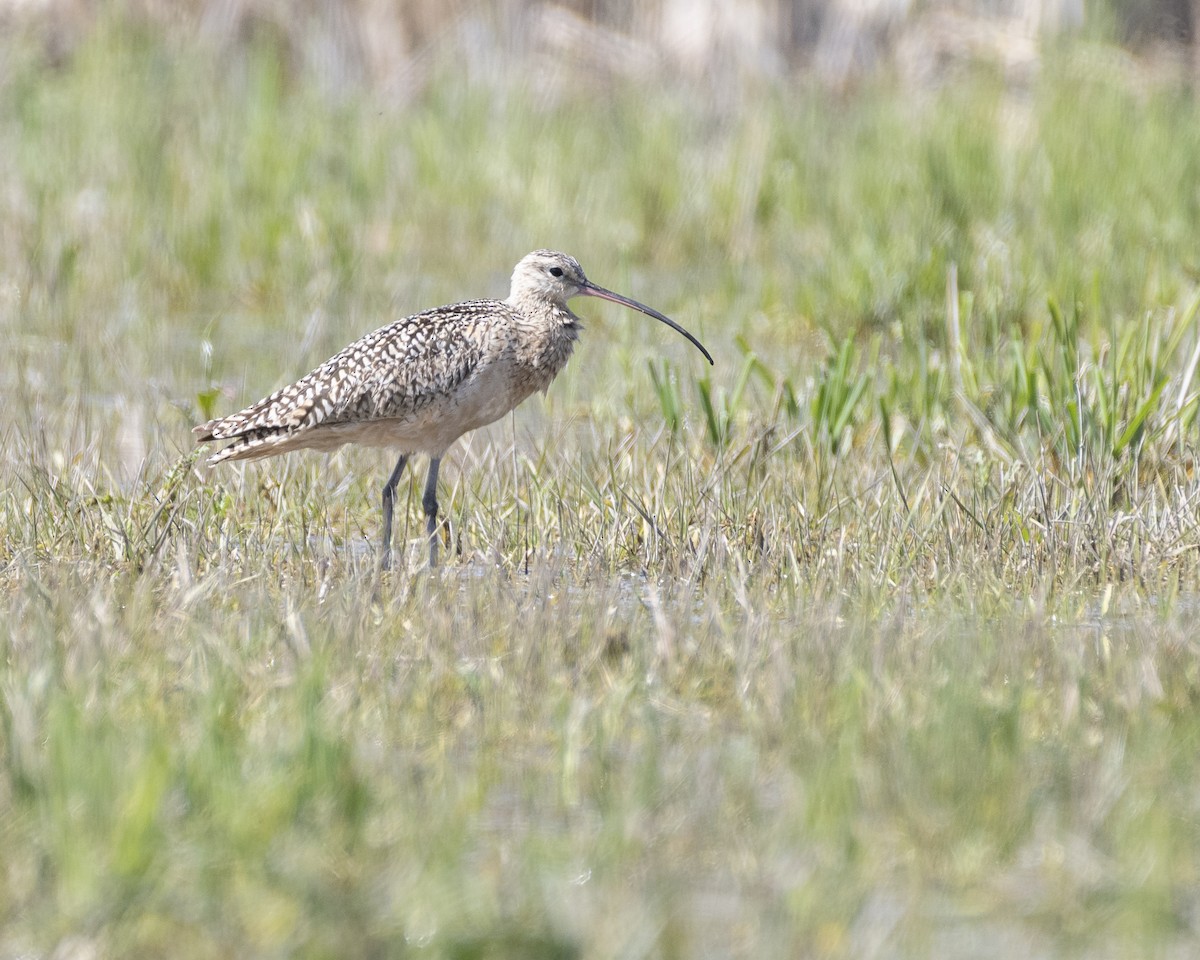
[
  {"x": 429, "y": 502},
  {"x": 389, "y": 500}
]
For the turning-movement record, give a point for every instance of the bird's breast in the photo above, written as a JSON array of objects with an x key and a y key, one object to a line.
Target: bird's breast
[{"x": 543, "y": 350}]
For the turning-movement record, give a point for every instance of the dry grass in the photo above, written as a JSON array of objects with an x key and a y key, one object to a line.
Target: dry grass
[{"x": 875, "y": 641}]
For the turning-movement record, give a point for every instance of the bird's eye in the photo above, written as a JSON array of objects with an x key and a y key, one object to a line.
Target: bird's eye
[{"x": 556, "y": 271}]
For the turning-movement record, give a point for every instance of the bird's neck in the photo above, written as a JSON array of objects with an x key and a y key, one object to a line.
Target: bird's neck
[{"x": 548, "y": 334}]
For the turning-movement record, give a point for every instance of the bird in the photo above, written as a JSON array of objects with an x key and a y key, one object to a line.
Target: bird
[{"x": 418, "y": 384}]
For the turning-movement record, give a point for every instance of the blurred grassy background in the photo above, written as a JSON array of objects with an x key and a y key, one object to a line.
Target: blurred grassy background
[{"x": 873, "y": 641}]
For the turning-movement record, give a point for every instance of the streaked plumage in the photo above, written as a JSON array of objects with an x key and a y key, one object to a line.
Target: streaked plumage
[{"x": 422, "y": 382}]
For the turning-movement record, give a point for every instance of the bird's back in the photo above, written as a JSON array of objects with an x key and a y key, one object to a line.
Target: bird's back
[{"x": 371, "y": 389}]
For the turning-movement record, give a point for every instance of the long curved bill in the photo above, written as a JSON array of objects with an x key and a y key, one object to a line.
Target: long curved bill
[{"x": 591, "y": 290}]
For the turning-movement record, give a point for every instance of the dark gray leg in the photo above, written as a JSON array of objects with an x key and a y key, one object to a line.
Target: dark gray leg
[
  {"x": 389, "y": 500},
  {"x": 429, "y": 502}
]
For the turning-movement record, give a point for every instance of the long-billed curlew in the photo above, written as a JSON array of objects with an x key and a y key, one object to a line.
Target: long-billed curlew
[{"x": 422, "y": 382}]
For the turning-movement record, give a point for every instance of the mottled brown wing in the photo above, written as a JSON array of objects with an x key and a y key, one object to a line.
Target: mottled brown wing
[{"x": 392, "y": 372}]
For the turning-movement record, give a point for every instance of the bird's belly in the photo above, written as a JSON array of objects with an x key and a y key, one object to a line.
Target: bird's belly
[{"x": 476, "y": 402}]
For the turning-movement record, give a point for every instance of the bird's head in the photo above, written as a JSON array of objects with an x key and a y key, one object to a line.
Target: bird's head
[{"x": 546, "y": 275}]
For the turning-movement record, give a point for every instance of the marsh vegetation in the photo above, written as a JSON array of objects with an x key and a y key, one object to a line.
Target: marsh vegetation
[{"x": 875, "y": 640}]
